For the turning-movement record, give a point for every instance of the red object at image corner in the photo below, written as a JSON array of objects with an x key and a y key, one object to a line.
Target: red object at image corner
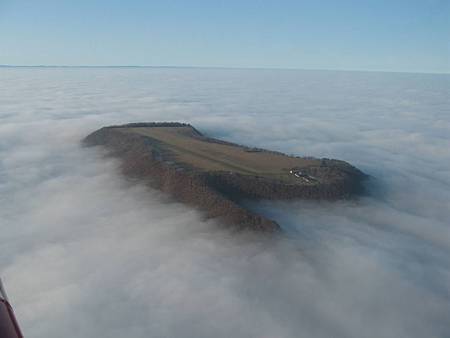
[{"x": 9, "y": 328}]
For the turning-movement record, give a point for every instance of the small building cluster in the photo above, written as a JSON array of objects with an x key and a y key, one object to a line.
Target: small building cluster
[{"x": 302, "y": 175}]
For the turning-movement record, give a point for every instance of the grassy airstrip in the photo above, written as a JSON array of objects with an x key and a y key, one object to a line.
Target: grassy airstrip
[{"x": 211, "y": 155}]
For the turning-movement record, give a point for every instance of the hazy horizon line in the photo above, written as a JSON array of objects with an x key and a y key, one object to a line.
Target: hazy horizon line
[{"x": 220, "y": 67}]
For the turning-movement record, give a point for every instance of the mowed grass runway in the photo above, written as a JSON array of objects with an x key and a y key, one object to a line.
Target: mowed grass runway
[{"x": 210, "y": 155}]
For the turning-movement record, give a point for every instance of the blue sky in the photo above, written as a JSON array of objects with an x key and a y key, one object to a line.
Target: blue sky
[{"x": 383, "y": 35}]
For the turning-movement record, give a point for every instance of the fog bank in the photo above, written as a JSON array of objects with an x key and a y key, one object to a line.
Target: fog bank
[{"x": 85, "y": 252}]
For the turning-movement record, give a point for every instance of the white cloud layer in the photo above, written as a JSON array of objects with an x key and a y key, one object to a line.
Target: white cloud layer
[{"x": 86, "y": 253}]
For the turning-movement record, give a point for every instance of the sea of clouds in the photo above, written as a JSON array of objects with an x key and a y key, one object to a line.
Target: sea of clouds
[{"x": 86, "y": 253}]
